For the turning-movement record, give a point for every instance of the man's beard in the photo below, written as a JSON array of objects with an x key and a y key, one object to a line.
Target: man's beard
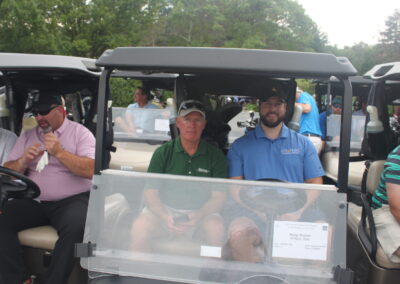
[{"x": 270, "y": 124}]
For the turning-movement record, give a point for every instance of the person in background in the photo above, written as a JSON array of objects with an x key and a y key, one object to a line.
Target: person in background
[
  {"x": 363, "y": 110},
  {"x": 64, "y": 183},
  {"x": 309, "y": 121},
  {"x": 174, "y": 211},
  {"x": 386, "y": 207},
  {"x": 271, "y": 151},
  {"x": 135, "y": 121},
  {"x": 7, "y": 141},
  {"x": 335, "y": 109}
]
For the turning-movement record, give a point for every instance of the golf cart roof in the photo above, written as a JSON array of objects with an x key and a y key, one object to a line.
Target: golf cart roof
[
  {"x": 227, "y": 60},
  {"x": 386, "y": 71},
  {"x": 20, "y": 61}
]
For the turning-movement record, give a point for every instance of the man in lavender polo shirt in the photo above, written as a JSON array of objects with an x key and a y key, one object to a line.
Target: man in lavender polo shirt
[{"x": 64, "y": 183}]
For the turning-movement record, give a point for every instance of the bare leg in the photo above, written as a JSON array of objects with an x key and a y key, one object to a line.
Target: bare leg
[
  {"x": 213, "y": 228},
  {"x": 245, "y": 241},
  {"x": 146, "y": 227}
]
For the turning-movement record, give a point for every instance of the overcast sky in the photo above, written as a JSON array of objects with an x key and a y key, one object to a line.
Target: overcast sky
[{"x": 347, "y": 22}]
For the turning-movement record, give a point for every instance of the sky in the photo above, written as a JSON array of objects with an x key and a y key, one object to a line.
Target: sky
[{"x": 347, "y": 22}]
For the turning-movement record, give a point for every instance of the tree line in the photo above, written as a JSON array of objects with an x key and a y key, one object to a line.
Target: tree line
[{"x": 89, "y": 27}]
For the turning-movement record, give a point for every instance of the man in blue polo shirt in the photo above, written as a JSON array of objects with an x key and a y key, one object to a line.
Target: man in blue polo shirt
[
  {"x": 270, "y": 151},
  {"x": 309, "y": 122}
]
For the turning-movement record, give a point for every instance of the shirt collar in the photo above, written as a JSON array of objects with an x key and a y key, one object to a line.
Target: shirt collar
[
  {"x": 259, "y": 132},
  {"x": 201, "y": 150}
]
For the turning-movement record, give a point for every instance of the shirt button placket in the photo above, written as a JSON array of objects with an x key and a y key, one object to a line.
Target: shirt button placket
[{"x": 190, "y": 166}]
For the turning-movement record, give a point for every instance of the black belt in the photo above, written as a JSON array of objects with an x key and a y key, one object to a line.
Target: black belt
[{"x": 312, "y": 135}]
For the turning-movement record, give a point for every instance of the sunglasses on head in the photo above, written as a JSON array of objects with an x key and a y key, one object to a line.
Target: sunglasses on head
[
  {"x": 43, "y": 112},
  {"x": 192, "y": 104}
]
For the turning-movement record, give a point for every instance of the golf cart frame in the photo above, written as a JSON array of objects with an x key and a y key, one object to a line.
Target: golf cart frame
[
  {"x": 77, "y": 80},
  {"x": 195, "y": 66},
  {"x": 368, "y": 260}
]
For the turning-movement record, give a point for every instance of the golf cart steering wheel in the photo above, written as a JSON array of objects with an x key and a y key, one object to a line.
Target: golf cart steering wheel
[{"x": 15, "y": 185}]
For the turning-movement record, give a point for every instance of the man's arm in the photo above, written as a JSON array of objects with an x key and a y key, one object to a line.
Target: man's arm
[
  {"x": 393, "y": 192},
  {"x": 306, "y": 107},
  {"x": 213, "y": 205},
  {"x": 80, "y": 166},
  {"x": 20, "y": 165},
  {"x": 155, "y": 205}
]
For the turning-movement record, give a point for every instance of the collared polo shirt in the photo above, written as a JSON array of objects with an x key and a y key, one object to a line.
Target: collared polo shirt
[
  {"x": 291, "y": 157},
  {"x": 309, "y": 122},
  {"x": 390, "y": 174},
  {"x": 171, "y": 158},
  {"x": 55, "y": 181}
]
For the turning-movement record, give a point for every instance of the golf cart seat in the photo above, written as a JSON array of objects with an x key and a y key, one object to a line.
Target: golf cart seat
[
  {"x": 43, "y": 237},
  {"x": 373, "y": 177},
  {"x": 330, "y": 160},
  {"x": 355, "y": 215}
]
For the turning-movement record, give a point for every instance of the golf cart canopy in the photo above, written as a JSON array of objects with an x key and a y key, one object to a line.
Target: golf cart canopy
[
  {"x": 222, "y": 60},
  {"x": 23, "y": 74}
]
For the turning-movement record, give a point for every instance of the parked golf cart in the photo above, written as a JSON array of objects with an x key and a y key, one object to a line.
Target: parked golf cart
[
  {"x": 23, "y": 75},
  {"x": 367, "y": 258},
  {"x": 330, "y": 154},
  {"x": 207, "y": 74}
]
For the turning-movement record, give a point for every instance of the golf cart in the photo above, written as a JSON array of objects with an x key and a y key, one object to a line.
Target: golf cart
[
  {"x": 330, "y": 155},
  {"x": 24, "y": 75},
  {"x": 367, "y": 258},
  {"x": 295, "y": 252}
]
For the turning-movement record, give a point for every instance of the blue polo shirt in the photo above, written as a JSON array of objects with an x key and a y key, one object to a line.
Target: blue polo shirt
[
  {"x": 291, "y": 157},
  {"x": 309, "y": 122}
]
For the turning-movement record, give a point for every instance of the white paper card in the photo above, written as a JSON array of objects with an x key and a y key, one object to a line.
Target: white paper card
[
  {"x": 161, "y": 124},
  {"x": 301, "y": 240},
  {"x": 209, "y": 251}
]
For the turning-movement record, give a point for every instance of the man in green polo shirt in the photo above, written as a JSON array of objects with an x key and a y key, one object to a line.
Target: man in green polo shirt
[{"x": 194, "y": 209}]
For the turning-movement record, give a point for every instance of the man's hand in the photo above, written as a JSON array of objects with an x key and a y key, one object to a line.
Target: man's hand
[
  {"x": 31, "y": 154},
  {"x": 52, "y": 144}
]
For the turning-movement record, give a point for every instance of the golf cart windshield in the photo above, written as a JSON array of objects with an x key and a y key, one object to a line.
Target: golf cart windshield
[{"x": 304, "y": 251}]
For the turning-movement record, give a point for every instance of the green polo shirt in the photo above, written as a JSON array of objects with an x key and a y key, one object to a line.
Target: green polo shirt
[{"x": 171, "y": 158}]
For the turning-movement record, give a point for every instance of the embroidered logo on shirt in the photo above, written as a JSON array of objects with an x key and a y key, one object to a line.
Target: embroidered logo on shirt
[
  {"x": 290, "y": 151},
  {"x": 203, "y": 170}
]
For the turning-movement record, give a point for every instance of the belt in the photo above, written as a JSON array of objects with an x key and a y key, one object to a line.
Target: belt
[{"x": 311, "y": 135}]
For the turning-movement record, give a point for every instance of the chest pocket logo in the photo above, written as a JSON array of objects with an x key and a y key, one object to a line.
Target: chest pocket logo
[
  {"x": 290, "y": 151},
  {"x": 203, "y": 170}
]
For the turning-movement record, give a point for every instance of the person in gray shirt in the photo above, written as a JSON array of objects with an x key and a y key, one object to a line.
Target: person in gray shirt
[{"x": 7, "y": 141}]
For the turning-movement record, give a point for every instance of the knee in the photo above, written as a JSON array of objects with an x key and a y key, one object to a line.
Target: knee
[{"x": 142, "y": 226}]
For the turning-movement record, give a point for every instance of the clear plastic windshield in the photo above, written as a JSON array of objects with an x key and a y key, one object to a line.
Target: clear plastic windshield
[
  {"x": 272, "y": 233},
  {"x": 333, "y": 131},
  {"x": 141, "y": 124}
]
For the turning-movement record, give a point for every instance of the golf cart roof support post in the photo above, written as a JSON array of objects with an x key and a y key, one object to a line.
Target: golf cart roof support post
[
  {"x": 11, "y": 104},
  {"x": 101, "y": 151},
  {"x": 345, "y": 132}
]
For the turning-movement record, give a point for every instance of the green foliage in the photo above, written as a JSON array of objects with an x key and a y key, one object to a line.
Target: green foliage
[
  {"x": 89, "y": 27},
  {"x": 122, "y": 91}
]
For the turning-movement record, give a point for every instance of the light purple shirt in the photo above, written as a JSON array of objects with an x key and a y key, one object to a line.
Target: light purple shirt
[{"x": 55, "y": 181}]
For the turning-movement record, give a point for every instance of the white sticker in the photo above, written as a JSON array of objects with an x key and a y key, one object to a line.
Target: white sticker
[
  {"x": 161, "y": 124},
  {"x": 301, "y": 240},
  {"x": 209, "y": 251}
]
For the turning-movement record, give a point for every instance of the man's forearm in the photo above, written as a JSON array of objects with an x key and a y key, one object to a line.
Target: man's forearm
[
  {"x": 16, "y": 165},
  {"x": 80, "y": 166},
  {"x": 214, "y": 204}
]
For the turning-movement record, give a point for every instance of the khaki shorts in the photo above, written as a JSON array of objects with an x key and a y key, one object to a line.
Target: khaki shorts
[{"x": 388, "y": 232}]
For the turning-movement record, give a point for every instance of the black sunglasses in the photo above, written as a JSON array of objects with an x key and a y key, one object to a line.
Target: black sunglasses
[
  {"x": 192, "y": 104},
  {"x": 43, "y": 112}
]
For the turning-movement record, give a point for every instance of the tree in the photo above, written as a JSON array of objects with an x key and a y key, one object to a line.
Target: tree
[{"x": 389, "y": 47}]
